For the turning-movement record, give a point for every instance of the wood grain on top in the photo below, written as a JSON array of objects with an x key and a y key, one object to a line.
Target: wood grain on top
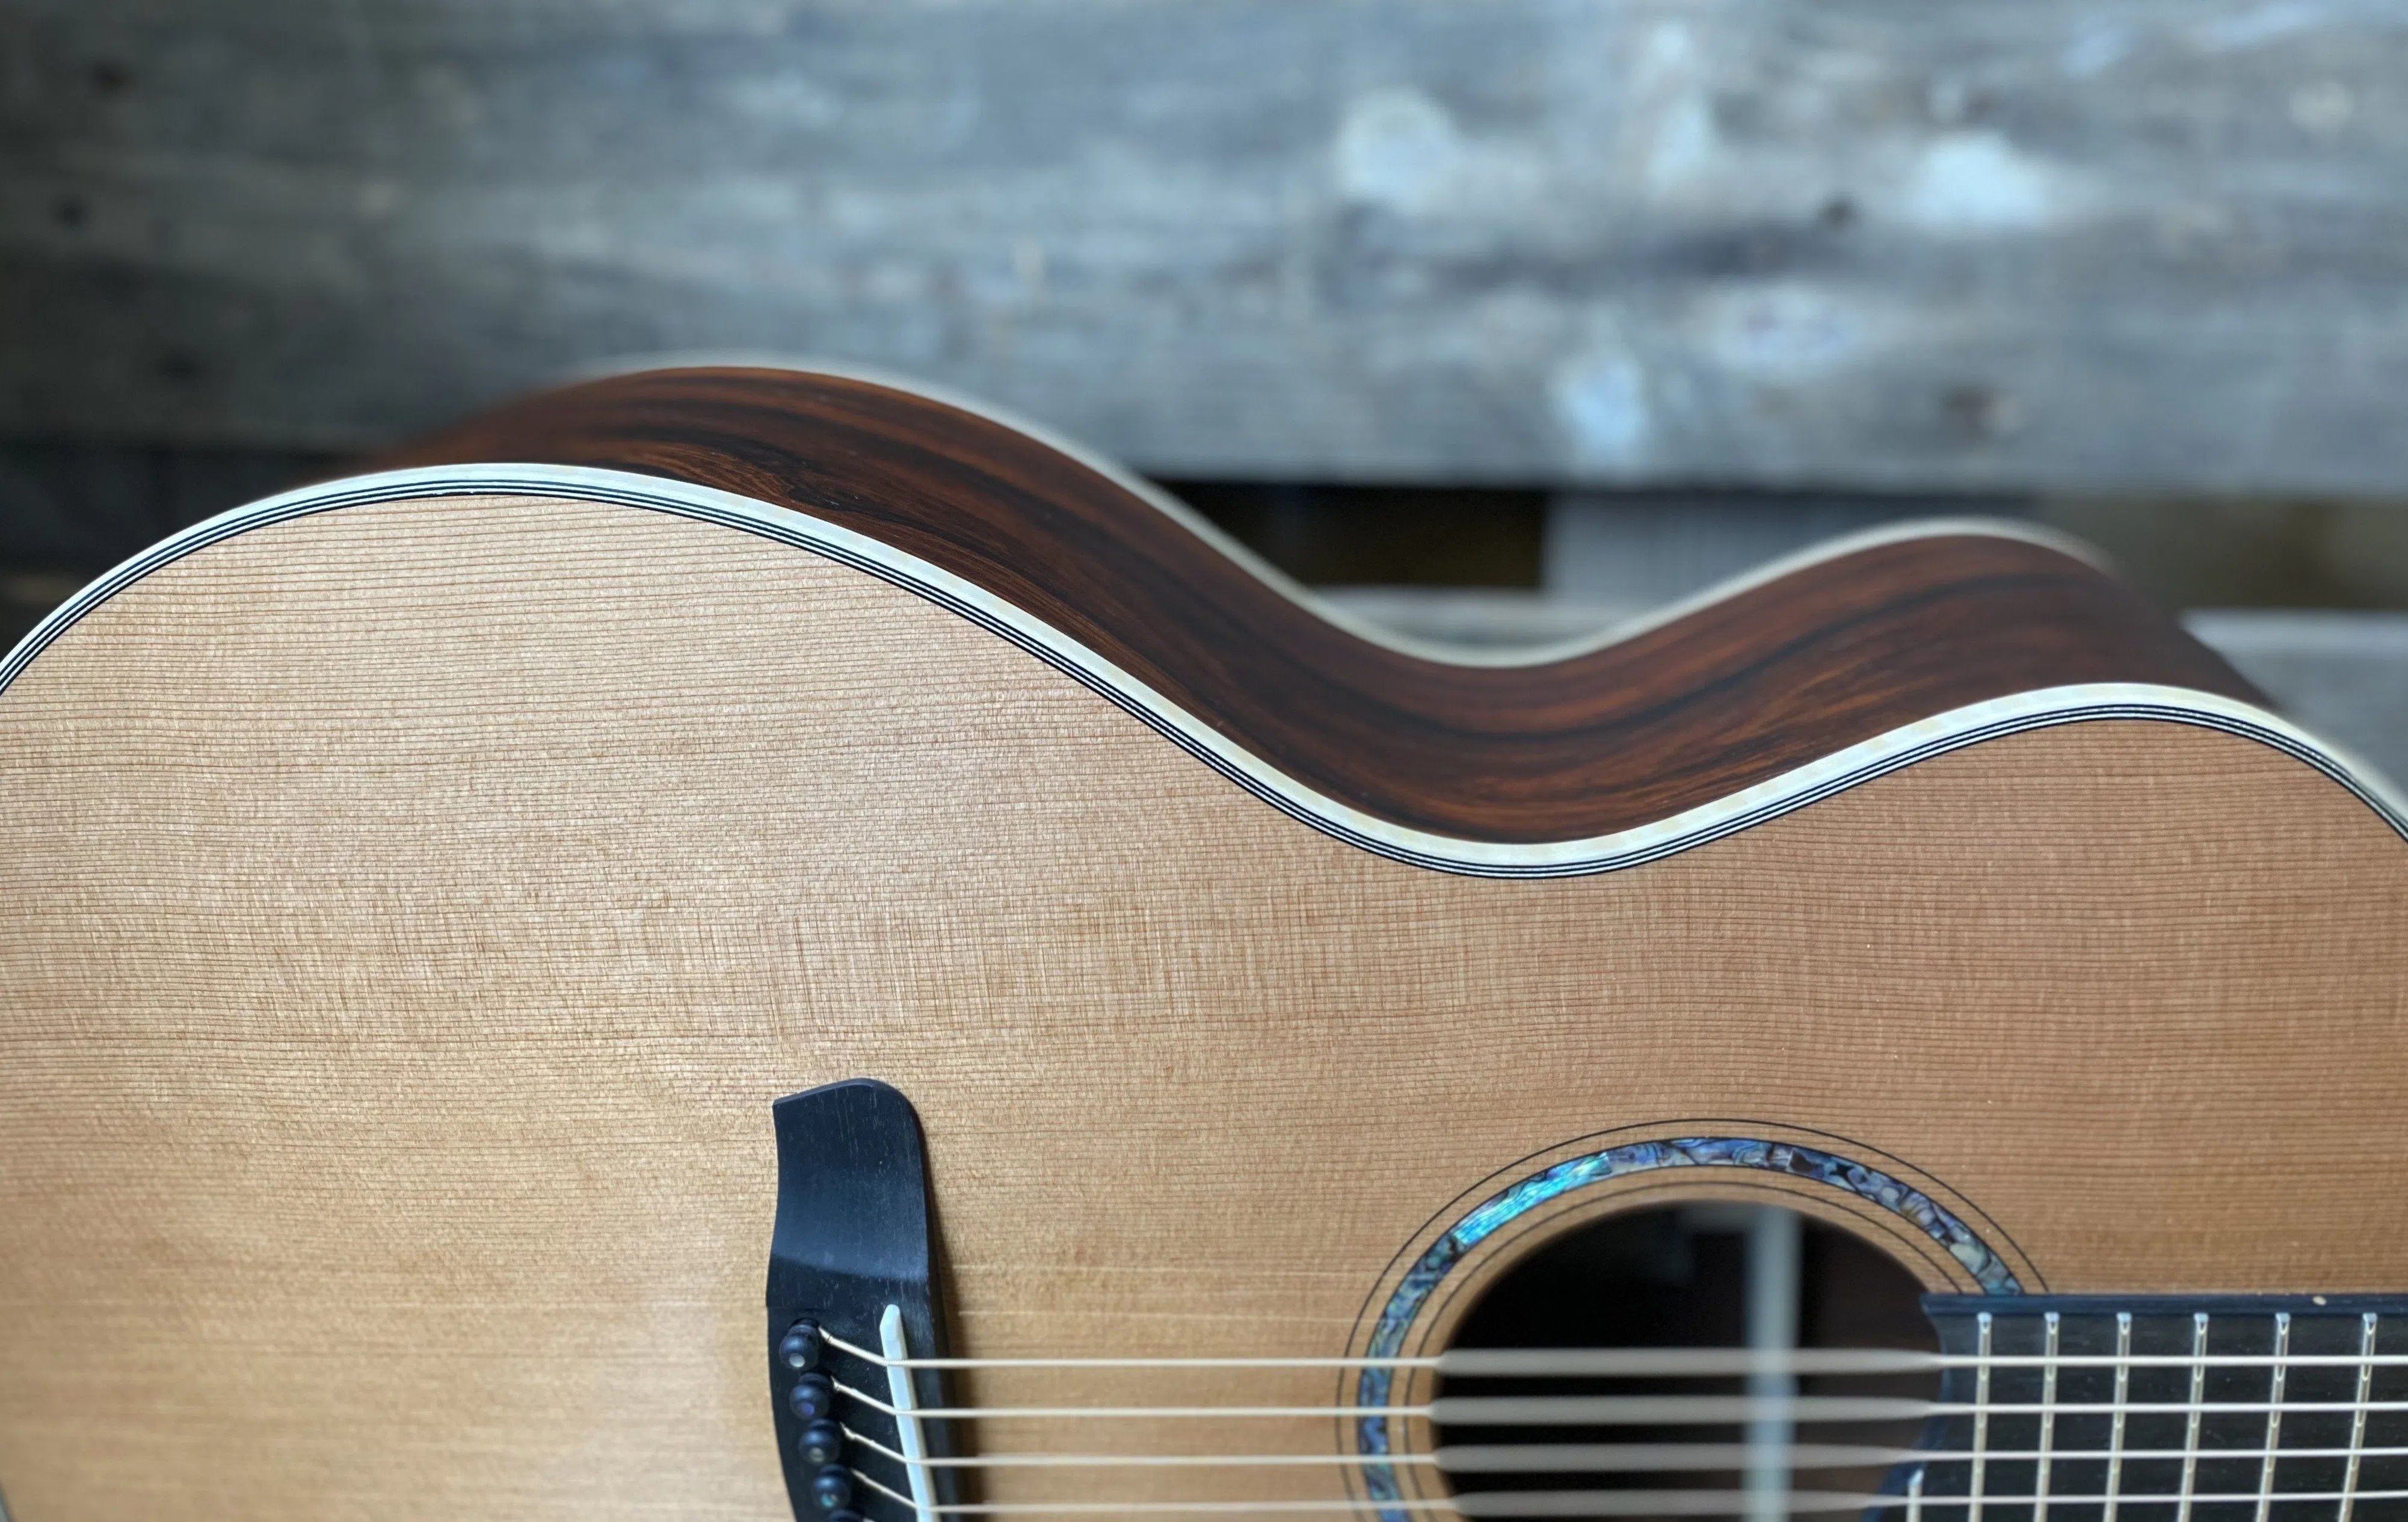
[
  {"x": 413, "y": 910},
  {"x": 1723, "y": 699}
]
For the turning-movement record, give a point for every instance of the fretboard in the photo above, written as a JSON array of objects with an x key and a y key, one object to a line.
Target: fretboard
[{"x": 2072, "y": 1409}]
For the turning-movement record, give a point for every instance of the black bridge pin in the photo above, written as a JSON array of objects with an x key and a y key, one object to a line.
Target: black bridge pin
[
  {"x": 811, "y": 1399},
  {"x": 800, "y": 1347},
  {"x": 832, "y": 1489},
  {"x": 823, "y": 1442}
]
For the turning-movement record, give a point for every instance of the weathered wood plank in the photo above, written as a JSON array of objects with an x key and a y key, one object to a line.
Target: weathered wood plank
[{"x": 2006, "y": 243}]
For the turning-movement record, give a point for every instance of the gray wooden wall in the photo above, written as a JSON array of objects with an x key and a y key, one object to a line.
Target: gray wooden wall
[{"x": 1992, "y": 244}]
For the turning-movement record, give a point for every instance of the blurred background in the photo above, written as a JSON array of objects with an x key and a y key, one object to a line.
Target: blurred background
[{"x": 1505, "y": 319}]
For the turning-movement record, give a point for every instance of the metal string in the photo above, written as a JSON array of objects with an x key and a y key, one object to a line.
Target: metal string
[
  {"x": 1703, "y": 1409},
  {"x": 1653, "y": 1410},
  {"x": 1570, "y": 1457},
  {"x": 1561, "y": 1502},
  {"x": 1702, "y": 1362}
]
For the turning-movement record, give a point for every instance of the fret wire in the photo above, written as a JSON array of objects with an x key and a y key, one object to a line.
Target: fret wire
[
  {"x": 1915, "y": 1496},
  {"x": 2047, "y": 1417},
  {"x": 2197, "y": 1400},
  {"x": 2116, "y": 1432},
  {"x": 1980, "y": 1420},
  {"x": 2357, "y": 1420},
  {"x": 2273, "y": 1417}
]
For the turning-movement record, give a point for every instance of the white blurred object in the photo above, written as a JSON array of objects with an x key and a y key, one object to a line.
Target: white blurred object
[
  {"x": 1775, "y": 1238},
  {"x": 2341, "y": 675},
  {"x": 1648, "y": 551}
]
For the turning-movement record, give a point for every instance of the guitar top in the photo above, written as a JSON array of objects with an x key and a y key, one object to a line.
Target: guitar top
[{"x": 465, "y": 919}]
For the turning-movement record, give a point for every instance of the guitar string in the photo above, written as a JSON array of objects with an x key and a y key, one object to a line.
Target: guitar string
[
  {"x": 1508, "y": 1504},
  {"x": 1638, "y": 1362},
  {"x": 1593, "y": 1458},
  {"x": 1651, "y": 1410},
  {"x": 1692, "y": 1456}
]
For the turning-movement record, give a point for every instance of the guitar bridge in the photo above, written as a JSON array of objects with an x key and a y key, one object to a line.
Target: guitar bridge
[{"x": 853, "y": 1302}]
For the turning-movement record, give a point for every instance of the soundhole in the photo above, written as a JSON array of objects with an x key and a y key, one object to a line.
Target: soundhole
[{"x": 1697, "y": 1276}]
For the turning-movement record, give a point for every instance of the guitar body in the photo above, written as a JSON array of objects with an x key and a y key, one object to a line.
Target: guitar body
[{"x": 417, "y": 893}]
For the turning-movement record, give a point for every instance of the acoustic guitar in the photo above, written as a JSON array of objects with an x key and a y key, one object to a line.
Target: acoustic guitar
[{"x": 740, "y": 944}]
